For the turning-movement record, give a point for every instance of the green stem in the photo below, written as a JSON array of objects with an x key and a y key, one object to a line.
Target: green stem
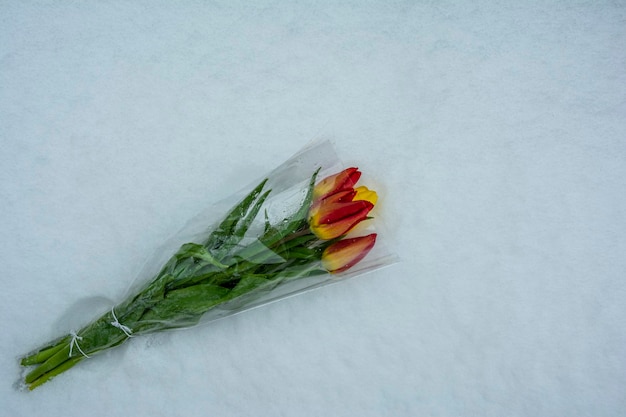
[
  {"x": 57, "y": 359},
  {"x": 44, "y": 354},
  {"x": 56, "y": 371}
]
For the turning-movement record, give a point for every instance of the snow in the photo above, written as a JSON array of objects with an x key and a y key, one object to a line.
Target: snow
[{"x": 495, "y": 133}]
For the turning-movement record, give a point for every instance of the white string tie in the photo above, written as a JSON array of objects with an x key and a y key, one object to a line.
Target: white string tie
[
  {"x": 127, "y": 330},
  {"x": 74, "y": 342}
]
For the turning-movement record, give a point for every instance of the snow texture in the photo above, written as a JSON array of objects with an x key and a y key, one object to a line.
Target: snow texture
[{"x": 494, "y": 131}]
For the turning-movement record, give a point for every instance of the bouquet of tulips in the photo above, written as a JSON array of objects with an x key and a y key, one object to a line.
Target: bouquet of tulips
[{"x": 241, "y": 263}]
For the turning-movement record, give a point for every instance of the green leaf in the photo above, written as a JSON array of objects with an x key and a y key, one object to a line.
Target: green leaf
[
  {"x": 249, "y": 288},
  {"x": 303, "y": 212},
  {"x": 244, "y": 224},
  {"x": 194, "y": 250},
  {"x": 268, "y": 225},
  {"x": 228, "y": 227},
  {"x": 248, "y": 284},
  {"x": 295, "y": 222},
  {"x": 299, "y": 253},
  {"x": 185, "y": 303}
]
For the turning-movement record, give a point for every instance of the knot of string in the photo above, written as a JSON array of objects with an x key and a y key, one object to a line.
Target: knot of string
[
  {"x": 127, "y": 330},
  {"x": 74, "y": 342}
]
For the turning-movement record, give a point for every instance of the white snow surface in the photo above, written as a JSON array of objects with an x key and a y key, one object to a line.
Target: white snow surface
[{"x": 494, "y": 131}]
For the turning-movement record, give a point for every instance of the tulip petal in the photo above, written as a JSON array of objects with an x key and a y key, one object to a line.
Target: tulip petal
[
  {"x": 365, "y": 194},
  {"x": 346, "y": 253},
  {"x": 334, "y": 213}
]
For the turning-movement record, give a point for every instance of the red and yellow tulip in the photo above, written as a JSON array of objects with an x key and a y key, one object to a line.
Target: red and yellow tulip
[
  {"x": 344, "y": 254},
  {"x": 344, "y": 180},
  {"x": 337, "y": 206}
]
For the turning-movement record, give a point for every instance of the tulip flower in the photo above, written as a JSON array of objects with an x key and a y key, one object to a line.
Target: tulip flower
[
  {"x": 341, "y": 209},
  {"x": 344, "y": 180},
  {"x": 344, "y": 254}
]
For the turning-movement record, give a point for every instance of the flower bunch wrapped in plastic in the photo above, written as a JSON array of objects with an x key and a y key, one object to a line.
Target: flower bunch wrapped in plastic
[{"x": 242, "y": 263}]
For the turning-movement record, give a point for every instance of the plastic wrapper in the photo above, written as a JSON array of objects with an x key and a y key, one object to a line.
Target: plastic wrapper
[{"x": 304, "y": 225}]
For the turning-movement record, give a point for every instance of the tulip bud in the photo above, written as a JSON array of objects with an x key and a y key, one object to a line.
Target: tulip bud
[
  {"x": 344, "y": 180},
  {"x": 346, "y": 253}
]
